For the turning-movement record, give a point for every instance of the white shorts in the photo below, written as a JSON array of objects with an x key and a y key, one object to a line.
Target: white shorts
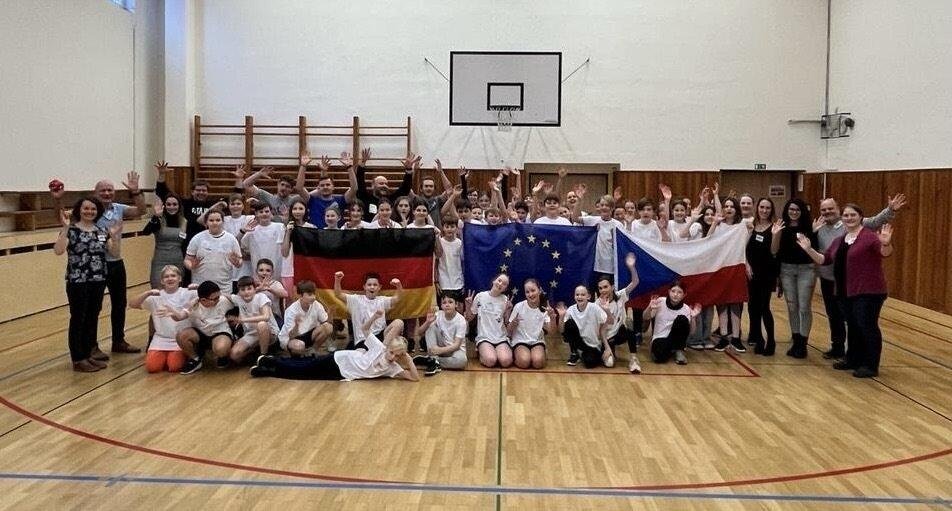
[{"x": 250, "y": 338}]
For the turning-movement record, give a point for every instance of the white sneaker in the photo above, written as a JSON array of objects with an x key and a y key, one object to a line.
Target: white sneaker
[
  {"x": 633, "y": 366},
  {"x": 610, "y": 361}
]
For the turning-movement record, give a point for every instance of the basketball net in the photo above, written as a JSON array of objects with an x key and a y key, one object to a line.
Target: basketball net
[{"x": 503, "y": 118}]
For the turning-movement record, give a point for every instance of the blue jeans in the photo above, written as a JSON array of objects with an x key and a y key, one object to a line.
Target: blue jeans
[{"x": 798, "y": 281}]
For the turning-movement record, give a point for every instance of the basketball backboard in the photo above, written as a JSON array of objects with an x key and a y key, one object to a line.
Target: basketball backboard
[{"x": 526, "y": 84}]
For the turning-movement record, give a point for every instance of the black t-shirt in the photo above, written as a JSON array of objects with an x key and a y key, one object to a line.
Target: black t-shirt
[
  {"x": 790, "y": 251},
  {"x": 761, "y": 260}
]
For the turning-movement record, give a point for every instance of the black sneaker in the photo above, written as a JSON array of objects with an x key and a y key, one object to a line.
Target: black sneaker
[
  {"x": 421, "y": 360},
  {"x": 191, "y": 365},
  {"x": 843, "y": 365},
  {"x": 834, "y": 353},
  {"x": 432, "y": 367},
  {"x": 260, "y": 371},
  {"x": 738, "y": 345},
  {"x": 222, "y": 362},
  {"x": 722, "y": 344},
  {"x": 574, "y": 359},
  {"x": 267, "y": 361}
]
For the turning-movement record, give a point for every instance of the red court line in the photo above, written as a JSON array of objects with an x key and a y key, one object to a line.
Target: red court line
[
  {"x": 749, "y": 369},
  {"x": 307, "y": 475},
  {"x": 182, "y": 457},
  {"x": 784, "y": 479}
]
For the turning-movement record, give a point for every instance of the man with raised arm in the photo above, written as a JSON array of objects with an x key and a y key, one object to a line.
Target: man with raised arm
[
  {"x": 280, "y": 201},
  {"x": 828, "y": 227},
  {"x": 322, "y": 197},
  {"x": 192, "y": 207},
  {"x": 434, "y": 202},
  {"x": 380, "y": 186}
]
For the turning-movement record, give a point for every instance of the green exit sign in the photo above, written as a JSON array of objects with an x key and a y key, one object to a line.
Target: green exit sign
[{"x": 760, "y": 166}]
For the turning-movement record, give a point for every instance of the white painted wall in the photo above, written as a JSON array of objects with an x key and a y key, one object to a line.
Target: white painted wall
[
  {"x": 891, "y": 67},
  {"x": 66, "y": 93},
  {"x": 149, "y": 86},
  {"x": 671, "y": 85}
]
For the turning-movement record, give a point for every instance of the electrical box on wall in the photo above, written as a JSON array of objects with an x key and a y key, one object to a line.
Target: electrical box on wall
[{"x": 836, "y": 125}]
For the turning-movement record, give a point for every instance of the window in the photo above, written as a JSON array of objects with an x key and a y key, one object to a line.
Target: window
[{"x": 129, "y": 5}]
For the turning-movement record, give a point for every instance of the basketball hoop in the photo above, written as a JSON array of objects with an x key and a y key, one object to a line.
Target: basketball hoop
[{"x": 503, "y": 117}]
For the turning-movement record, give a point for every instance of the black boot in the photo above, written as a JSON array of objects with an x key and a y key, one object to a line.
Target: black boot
[
  {"x": 801, "y": 348},
  {"x": 759, "y": 346},
  {"x": 769, "y": 348},
  {"x": 793, "y": 345}
]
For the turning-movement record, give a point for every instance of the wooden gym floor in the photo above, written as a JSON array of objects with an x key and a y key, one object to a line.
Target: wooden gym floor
[{"x": 723, "y": 432}]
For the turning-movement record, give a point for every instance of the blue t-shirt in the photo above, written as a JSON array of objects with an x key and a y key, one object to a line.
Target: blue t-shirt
[
  {"x": 316, "y": 206},
  {"x": 111, "y": 216}
]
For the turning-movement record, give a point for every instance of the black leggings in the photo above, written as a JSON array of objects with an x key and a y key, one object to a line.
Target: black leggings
[
  {"x": 624, "y": 336},
  {"x": 758, "y": 304},
  {"x": 591, "y": 357},
  {"x": 85, "y": 304},
  {"x": 663, "y": 347}
]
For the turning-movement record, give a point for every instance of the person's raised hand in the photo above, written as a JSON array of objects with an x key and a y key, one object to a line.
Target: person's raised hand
[
  {"x": 239, "y": 171},
  {"x": 338, "y": 275},
  {"x": 897, "y": 202},
  {"x": 885, "y": 234},
  {"x": 162, "y": 167},
  {"x": 777, "y": 226},
  {"x": 346, "y": 159},
  {"x": 305, "y": 158},
  {"x": 665, "y": 191},
  {"x": 364, "y": 156},
  {"x": 324, "y": 164},
  {"x": 630, "y": 260},
  {"x": 158, "y": 207},
  {"x": 132, "y": 181}
]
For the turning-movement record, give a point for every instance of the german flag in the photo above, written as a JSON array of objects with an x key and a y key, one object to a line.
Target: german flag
[{"x": 406, "y": 254}]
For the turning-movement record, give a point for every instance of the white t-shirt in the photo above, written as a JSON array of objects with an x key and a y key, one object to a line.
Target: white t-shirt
[
  {"x": 362, "y": 308},
  {"x": 616, "y": 310},
  {"x": 360, "y": 364},
  {"x": 212, "y": 252},
  {"x": 264, "y": 242},
  {"x": 531, "y": 323},
  {"x": 376, "y": 225},
  {"x": 649, "y": 231},
  {"x": 588, "y": 322},
  {"x": 166, "y": 327},
  {"x": 489, "y": 317},
  {"x": 674, "y": 231},
  {"x": 665, "y": 317},
  {"x": 234, "y": 226},
  {"x": 544, "y": 220},
  {"x": 287, "y": 263},
  {"x": 605, "y": 242},
  {"x": 253, "y": 308},
  {"x": 211, "y": 320},
  {"x": 444, "y": 332},
  {"x": 449, "y": 268},
  {"x": 308, "y": 320}
]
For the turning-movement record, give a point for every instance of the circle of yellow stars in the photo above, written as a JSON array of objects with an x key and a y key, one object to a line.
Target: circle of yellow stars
[{"x": 531, "y": 239}]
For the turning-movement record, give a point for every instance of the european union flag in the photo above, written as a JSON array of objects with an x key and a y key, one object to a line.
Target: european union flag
[{"x": 559, "y": 257}]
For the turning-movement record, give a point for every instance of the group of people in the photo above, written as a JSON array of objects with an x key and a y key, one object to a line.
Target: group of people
[{"x": 222, "y": 280}]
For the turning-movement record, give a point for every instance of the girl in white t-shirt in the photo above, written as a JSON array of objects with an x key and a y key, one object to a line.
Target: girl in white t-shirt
[
  {"x": 164, "y": 352},
  {"x": 384, "y": 218},
  {"x": 490, "y": 308},
  {"x": 583, "y": 328},
  {"x": 529, "y": 322},
  {"x": 213, "y": 254},
  {"x": 613, "y": 303},
  {"x": 673, "y": 323},
  {"x": 298, "y": 218}
]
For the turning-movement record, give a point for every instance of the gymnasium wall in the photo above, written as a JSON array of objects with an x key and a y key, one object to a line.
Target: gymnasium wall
[
  {"x": 671, "y": 85},
  {"x": 81, "y": 90},
  {"x": 890, "y": 67}
]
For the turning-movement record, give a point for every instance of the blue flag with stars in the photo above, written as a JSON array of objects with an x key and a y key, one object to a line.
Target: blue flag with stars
[{"x": 559, "y": 257}]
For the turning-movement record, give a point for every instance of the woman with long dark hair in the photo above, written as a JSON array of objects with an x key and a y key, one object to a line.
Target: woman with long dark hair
[
  {"x": 797, "y": 272},
  {"x": 762, "y": 273},
  {"x": 167, "y": 224}
]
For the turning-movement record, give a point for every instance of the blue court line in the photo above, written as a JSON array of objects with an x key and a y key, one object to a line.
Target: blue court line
[{"x": 112, "y": 480}]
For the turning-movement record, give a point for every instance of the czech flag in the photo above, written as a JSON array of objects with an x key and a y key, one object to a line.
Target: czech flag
[
  {"x": 712, "y": 271},
  {"x": 406, "y": 254}
]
